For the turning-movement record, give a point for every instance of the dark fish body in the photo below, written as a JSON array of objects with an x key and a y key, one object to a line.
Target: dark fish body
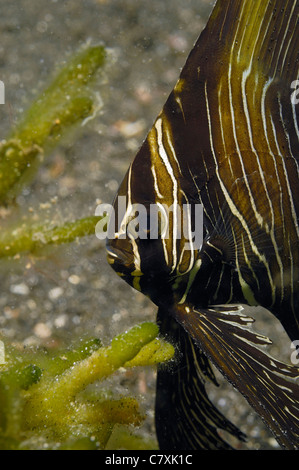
[{"x": 226, "y": 139}]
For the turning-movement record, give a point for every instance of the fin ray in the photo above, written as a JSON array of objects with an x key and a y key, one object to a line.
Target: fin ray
[
  {"x": 185, "y": 417},
  {"x": 223, "y": 335}
]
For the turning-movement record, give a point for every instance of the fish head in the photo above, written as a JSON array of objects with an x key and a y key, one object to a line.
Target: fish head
[{"x": 147, "y": 243}]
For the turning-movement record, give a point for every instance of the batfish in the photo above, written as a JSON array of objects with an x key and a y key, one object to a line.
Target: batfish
[{"x": 208, "y": 222}]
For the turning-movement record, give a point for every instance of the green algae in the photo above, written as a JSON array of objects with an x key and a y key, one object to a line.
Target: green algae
[
  {"x": 45, "y": 396},
  {"x": 67, "y": 101},
  {"x": 47, "y": 402},
  {"x": 29, "y": 237}
]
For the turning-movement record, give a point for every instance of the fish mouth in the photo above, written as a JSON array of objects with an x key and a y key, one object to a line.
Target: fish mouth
[
  {"x": 121, "y": 257},
  {"x": 122, "y": 262}
]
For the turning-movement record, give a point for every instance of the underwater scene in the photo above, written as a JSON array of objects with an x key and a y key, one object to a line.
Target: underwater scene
[{"x": 154, "y": 143}]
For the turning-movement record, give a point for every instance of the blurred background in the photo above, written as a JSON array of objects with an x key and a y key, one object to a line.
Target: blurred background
[{"x": 70, "y": 291}]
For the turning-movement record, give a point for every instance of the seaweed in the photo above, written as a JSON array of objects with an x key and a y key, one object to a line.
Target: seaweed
[
  {"x": 46, "y": 398},
  {"x": 46, "y": 401}
]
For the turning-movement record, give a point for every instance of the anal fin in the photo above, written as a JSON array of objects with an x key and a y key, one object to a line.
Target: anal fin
[
  {"x": 269, "y": 385},
  {"x": 185, "y": 417}
]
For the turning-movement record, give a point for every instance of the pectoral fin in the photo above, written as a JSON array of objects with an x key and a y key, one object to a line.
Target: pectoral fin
[{"x": 222, "y": 333}]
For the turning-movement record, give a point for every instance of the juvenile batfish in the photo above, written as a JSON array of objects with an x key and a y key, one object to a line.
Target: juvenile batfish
[{"x": 226, "y": 140}]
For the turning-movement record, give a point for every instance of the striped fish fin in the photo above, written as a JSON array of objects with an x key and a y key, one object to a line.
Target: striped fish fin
[
  {"x": 235, "y": 133},
  {"x": 234, "y": 92},
  {"x": 269, "y": 386},
  {"x": 185, "y": 417}
]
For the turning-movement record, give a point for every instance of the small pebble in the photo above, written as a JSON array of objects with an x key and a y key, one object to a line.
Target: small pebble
[
  {"x": 55, "y": 293},
  {"x": 20, "y": 289},
  {"x": 42, "y": 330}
]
